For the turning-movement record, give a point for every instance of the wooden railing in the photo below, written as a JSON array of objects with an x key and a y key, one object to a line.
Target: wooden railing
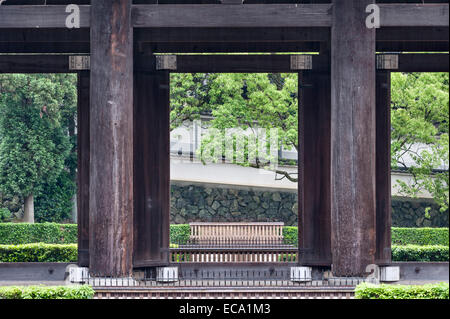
[
  {"x": 191, "y": 254},
  {"x": 254, "y": 233}
]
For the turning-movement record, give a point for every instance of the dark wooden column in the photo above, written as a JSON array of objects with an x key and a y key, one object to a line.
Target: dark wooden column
[
  {"x": 383, "y": 167},
  {"x": 151, "y": 165},
  {"x": 352, "y": 139},
  {"x": 314, "y": 169},
  {"x": 111, "y": 145},
  {"x": 83, "y": 168}
]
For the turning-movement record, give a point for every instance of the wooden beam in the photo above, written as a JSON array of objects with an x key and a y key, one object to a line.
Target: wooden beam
[
  {"x": 45, "y": 47},
  {"x": 34, "y": 64},
  {"x": 229, "y": 47},
  {"x": 423, "y": 63},
  {"x": 314, "y": 191},
  {"x": 111, "y": 144},
  {"x": 211, "y": 16},
  {"x": 352, "y": 140},
  {"x": 233, "y": 34},
  {"x": 414, "y": 15},
  {"x": 50, "y": 16},
  {"x": 151, "y": 167},
  {"x": 83, "y": 153},
  {"x": 383, "y": 167}
]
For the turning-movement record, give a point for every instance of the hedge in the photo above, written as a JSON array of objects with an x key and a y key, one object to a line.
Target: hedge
[
  {"x": 49, "y": 233},
  {"x": 38, "y": 253},
  {"x": 42, "y": 292},
  {"x": 420, "y": 253},
  {"x": 384, "y": 291},
  {"x": 179, "y": 234},
  {"x": 420, "y": 236}
]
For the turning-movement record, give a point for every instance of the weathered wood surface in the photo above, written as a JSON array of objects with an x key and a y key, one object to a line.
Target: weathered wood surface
[
  {"x": 238, "y": 233},
  {"x": 50, "y": 16},
  {"x": 267, "y": 15},
  {"x": 352, "y": 140},
  {"x": 83, "y": 153},
  {"x": 414, "y": 15},
  {"x": 314, "y": 171},
  {"x": 257, "y": 15},
  {"x": 383, "y": 167},
  {"x": 151, "y": 166},
  {"x": 34, "y": 64},
  {"x": 111, "y": 143}
]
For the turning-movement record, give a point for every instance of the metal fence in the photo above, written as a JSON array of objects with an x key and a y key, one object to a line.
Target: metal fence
[{"x": 210, "y": 278}]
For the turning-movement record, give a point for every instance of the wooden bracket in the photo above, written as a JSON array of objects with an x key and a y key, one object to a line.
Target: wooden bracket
[
  {"x": 301, "y": 62},
  {"x": 387, "y": 62},
  {"x": 79, "y": 62},
  {"x": 166, "y": 62}
]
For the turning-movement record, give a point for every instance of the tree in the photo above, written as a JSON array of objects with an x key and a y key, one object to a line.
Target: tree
[
  {"x": 33, "y": 143},
  {"x": 420, "y": 117}
]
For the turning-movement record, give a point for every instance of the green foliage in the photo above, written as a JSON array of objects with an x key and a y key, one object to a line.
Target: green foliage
[
  {"x": 39, "y": 253},
  {"x": 384, "y": 291},
  {"x": 54, "y": 202},
  {"x": 420, "y": 236},
  {"x": 42, "y": 292},
  {"x": 49, "y": 233},
  {"x": 420, "y": 253},
  {"x": 420, "y": 115},
  {"x": 5, "y": 215},
  {"x": 37, "y": 140},
  {"x": 290, "y": 235},
  {"x": 179, "y": 234},
  {"x": 189, "y": 96}
]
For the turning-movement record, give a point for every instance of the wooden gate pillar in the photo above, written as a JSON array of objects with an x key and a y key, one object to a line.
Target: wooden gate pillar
[
  {"x": 83, "y": 137},
  {"x": 151, "y": 164},
  {"x": 383, "y": 167},
  {"x": 111, "y": 143},
  {"x": 314, "y": 169},
  {"x": 352, "y": 139}
]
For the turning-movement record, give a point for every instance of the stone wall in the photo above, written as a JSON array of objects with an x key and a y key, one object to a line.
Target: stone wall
[
  {"x": 196, "y": 202},
  {"x": 409, "y": 212}
]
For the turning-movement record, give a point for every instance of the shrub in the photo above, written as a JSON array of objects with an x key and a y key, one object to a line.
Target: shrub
[
  {"x": 179, "y": 234},
  {"x": 429, "y": 291},
  {"x": 49, "y": 233},
  {"x": 38, "y": 253},
  {"x": 290, "y": 235},
  {"x": 420, "y": 253},
  {"x": 420, "y": 236},
  {"x": 5, "y": 215},
  {"x": 42, "y": 292}
]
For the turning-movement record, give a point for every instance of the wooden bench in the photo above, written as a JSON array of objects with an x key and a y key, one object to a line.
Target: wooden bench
[{"x": 269, "y": 233}]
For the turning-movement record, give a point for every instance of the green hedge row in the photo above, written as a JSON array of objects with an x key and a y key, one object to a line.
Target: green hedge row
[
  {"x": 39, "y": 253},
  {"x": 384, "y": 291},
  {"x": 68, "y": 253},
  {"x": 42, "y": 292},
  {"x": 420, "y": 236},
  {"x": 49, "y": 233},
  {"x": 420, "y": 253}
]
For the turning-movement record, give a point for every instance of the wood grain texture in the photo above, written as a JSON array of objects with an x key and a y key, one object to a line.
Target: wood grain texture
[
  {"x": 414, "y": 15},
  {"x": 111, "y": 144},
  {"x": 267, "y": 15},
  {"x": 151, "y": 168},
  {"x": 352, "y": 139},
  {"x": 314, "y": 154},
  {"x": 50, "y": 16},
  {"x": 83, "y": 153},
  {"x": 383, "y": 167}
]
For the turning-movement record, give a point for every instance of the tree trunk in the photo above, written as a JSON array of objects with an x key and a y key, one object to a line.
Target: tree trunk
[{"x": 28, "y": 216}]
